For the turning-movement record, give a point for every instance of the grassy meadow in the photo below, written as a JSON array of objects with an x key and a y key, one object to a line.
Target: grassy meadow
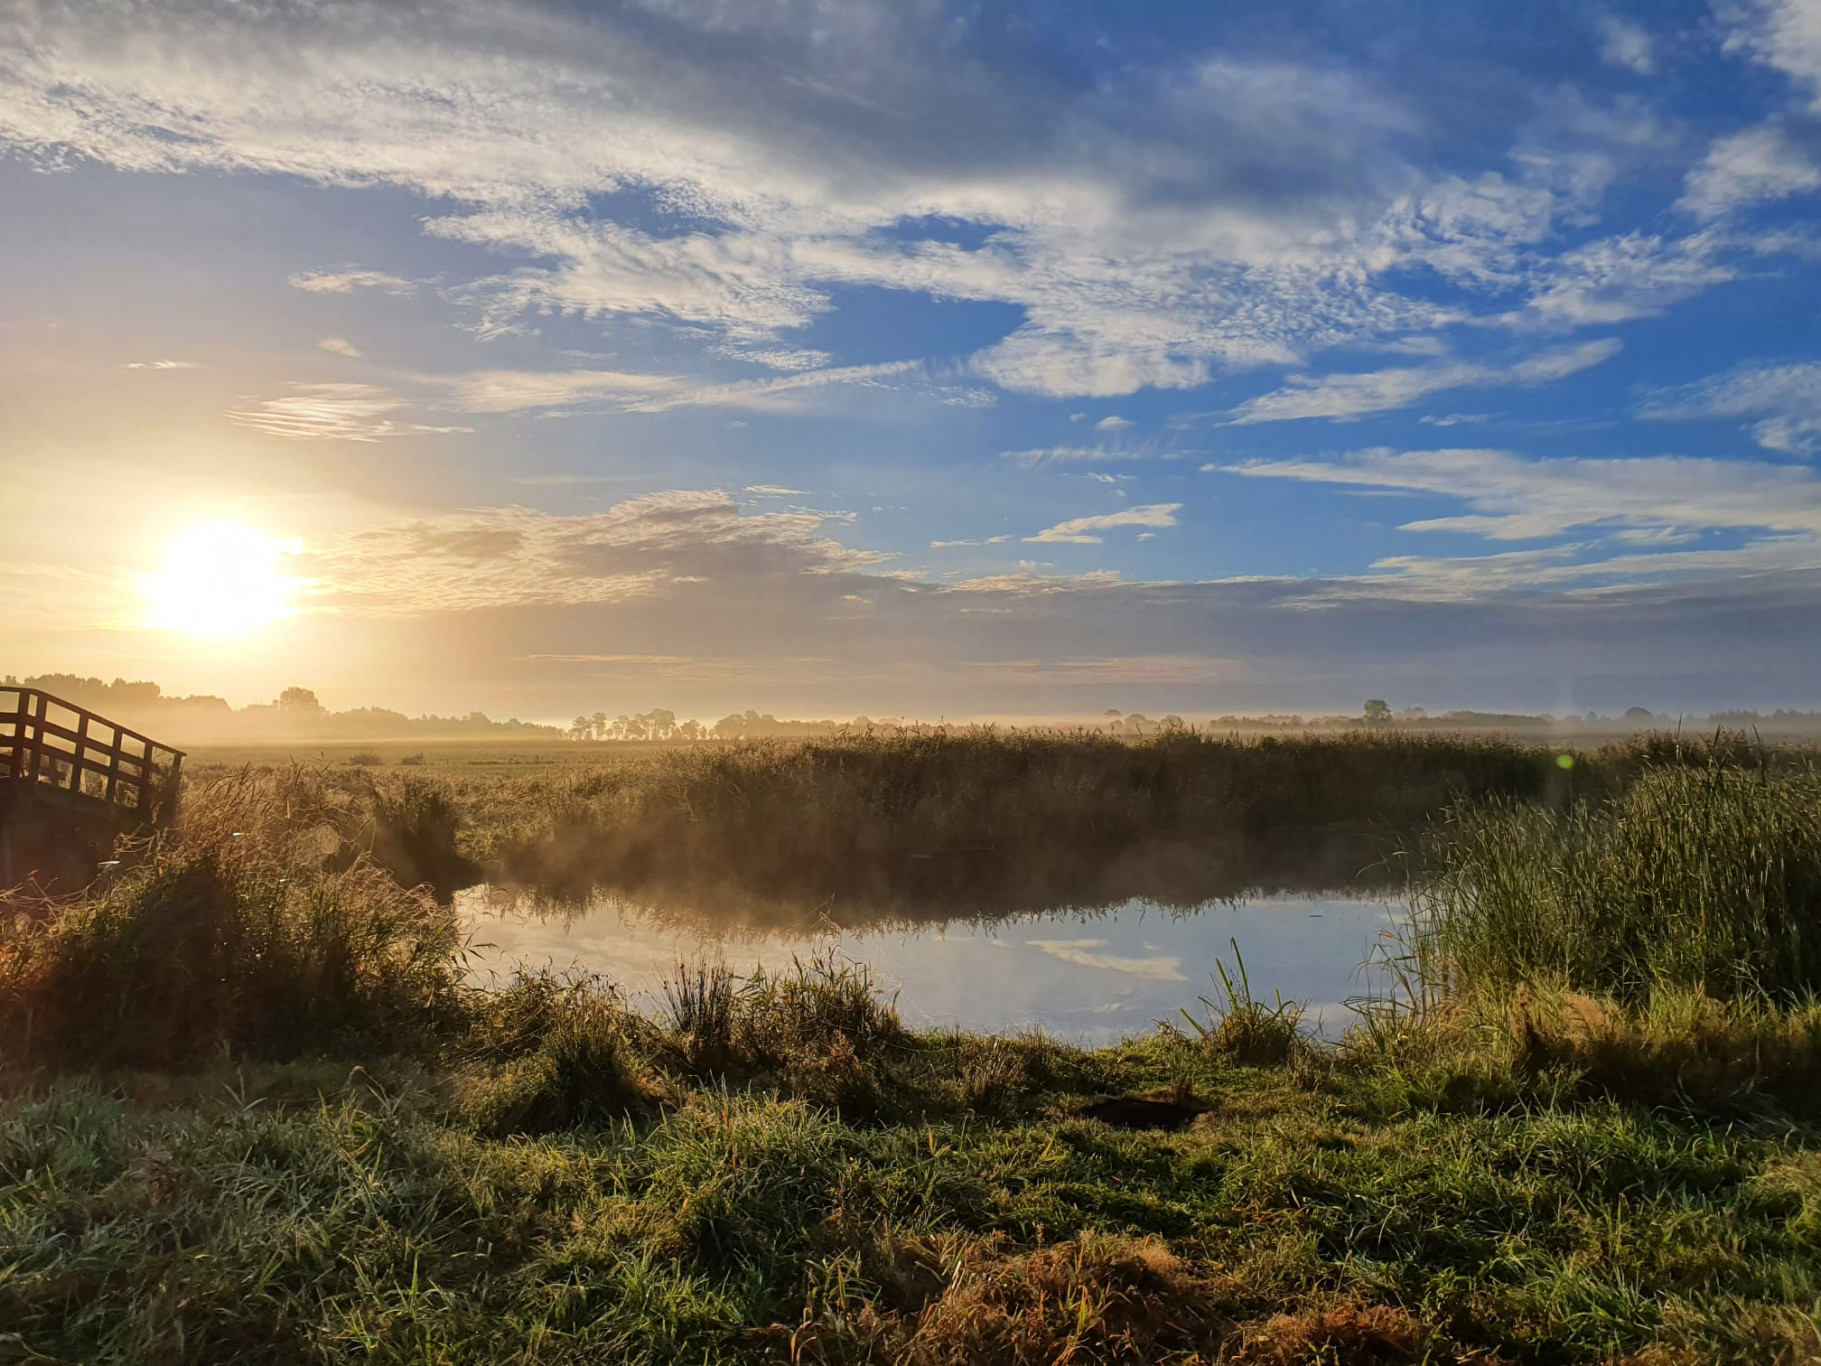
[{"x": 254, "y": 1110}]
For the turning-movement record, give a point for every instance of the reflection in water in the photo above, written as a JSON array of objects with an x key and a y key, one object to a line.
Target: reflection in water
[{"x": 1086, "y": 976}]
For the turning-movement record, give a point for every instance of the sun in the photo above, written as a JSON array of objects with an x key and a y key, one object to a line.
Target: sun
[{"x": 219, "y": 581}]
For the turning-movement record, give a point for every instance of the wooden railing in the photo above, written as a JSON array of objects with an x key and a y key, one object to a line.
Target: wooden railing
[{"x": 57, "y": 752}]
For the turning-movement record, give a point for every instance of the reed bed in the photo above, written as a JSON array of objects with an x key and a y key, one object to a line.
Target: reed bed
[
  {"x": 1004, "y": 820},
  {"x": 1699, "y": 876}
]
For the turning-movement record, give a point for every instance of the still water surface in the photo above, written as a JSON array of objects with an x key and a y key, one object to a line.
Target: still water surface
[{"x": 1086, "y": 976}]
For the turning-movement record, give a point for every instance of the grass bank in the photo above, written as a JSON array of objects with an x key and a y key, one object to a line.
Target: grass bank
[{"x": 250, "y": 1112}]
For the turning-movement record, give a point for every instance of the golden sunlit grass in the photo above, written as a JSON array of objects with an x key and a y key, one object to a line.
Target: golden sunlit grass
[{"x": 219, "y": 580}]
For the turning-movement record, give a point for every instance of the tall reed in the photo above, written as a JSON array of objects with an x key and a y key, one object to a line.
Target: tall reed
[
  {"x": 240, "y": 934},
  {"x": 1703, "y": 877},
  {"x": 1008, "y": 819}
]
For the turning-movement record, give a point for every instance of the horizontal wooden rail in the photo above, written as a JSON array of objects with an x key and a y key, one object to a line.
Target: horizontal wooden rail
[{"x": 51, "y": 749}]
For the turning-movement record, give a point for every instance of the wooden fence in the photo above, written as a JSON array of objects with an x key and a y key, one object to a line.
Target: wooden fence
[{"x": 57, "y": 753}]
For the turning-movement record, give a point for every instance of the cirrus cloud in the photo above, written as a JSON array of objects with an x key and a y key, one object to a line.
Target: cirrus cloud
[{"x": 1081, "y": 530}]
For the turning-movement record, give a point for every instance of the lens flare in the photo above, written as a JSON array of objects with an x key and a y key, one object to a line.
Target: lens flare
[{"x": 219, "y": 581}]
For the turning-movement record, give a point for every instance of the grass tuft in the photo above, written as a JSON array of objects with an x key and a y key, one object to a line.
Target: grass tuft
[
  {"x": 583, "y": 1072},
  {"x": 704, "y": 1013},
  {"x": 1243, "y": 1028}
]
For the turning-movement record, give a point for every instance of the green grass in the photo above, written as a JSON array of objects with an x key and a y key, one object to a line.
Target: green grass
[
  {"x": 250, "y": 1111},
  {"x": 286, "y": 1214},
  {"x": 235, "y": 935},
  {"x": 1703, "y": 877}
]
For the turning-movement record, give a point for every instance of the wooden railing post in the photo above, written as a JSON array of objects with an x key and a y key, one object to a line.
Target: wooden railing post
[
  {"x": 113, "y": 766},
  {"x": 82, "y": 745},
  {"x": 38, "y": 737},
  {"x": 15, "y": 768}
]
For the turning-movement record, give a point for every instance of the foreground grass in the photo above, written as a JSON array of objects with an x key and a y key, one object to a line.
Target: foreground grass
[{"x": 291, "y": 1214}]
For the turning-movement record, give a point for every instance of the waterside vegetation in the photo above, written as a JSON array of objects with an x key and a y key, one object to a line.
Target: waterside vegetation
[
  {"x": 254, "y": 1110},
  {"x": 947, "y": 822}
]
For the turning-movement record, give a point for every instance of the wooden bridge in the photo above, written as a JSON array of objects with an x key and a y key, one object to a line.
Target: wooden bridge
[{"x": 64, "y": 767}]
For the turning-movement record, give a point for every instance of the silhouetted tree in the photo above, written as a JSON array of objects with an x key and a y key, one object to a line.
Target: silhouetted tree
[{"x": 299, "y": 702}]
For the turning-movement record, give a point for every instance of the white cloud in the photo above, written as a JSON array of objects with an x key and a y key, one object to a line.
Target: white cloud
[
  {"x": 164, "y": 365},
  {"x": 336, "y": 412},
  {"x": 1561, "y": 568},
  {"x": 1083, "y": 953},
  {"x": 1347, "y": 396},
  {"x": 1080, "y": 530},
  {"x": 1513, "y": 498},
  {"x": 1626, "y": 44},
  {"x": 1785, "y": 398},
  {"x": 1785, "y": 34},
  {"x": 1618, "y": 279},
  {"x": 1114, "y": 423},
  {"x": 511, "y": 391},
  {"x": 1753, "y": 167},
  {"x": 1145, "y": 227},
  {"x": 774, "y": 357},
  {"x": 515, "y": 557},
  {"x": 1069, "y": 455},
  {"x": 990, "y": 540},
  {"x": 340, "y": 346},
  {"x": 348, "y": 281}
]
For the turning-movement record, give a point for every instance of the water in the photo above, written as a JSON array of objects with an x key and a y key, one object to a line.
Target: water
[{"x": 1088, "y": 977}]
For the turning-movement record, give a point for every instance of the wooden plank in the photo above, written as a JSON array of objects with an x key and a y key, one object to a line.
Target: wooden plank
[
  {"x": 58, "y": 730},
  {"x": 37, "y": 726}
]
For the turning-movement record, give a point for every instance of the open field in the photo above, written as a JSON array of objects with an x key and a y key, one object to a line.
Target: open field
[
  {"x": 254, "y": 1112},
  {"x": 439, "y": 756}
]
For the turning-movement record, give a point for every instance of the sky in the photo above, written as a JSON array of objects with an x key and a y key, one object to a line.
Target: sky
[{"x": 914, "y": 358}]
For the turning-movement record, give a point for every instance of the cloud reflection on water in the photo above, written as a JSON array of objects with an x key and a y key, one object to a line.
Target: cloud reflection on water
[{"x": 1142, "y": 964}]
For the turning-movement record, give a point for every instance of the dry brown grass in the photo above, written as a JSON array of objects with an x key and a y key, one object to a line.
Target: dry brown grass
[{"x": 1098, "y": 1297}]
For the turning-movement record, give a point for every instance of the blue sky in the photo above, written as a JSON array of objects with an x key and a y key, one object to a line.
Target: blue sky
[{"x": 1008, "y": 360}]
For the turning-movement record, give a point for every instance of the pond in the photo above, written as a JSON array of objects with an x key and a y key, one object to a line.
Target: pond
[{"x": 1087, "y": 976}]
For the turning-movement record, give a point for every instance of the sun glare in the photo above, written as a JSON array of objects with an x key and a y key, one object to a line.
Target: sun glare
[{"x": 219, "y": 581}]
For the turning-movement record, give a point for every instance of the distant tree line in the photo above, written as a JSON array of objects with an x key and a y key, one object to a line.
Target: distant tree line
[
  {"x": 294, "y": 713},
  {"x": 660, "y": 724},
  {"x": 297, "y": 713}
]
